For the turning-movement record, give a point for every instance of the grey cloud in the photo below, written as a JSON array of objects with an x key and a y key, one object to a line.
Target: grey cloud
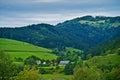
[{"x": 24, "y": 12}]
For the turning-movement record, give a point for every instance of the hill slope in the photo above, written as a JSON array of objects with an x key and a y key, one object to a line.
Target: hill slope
[
  {"x": 109, "y": 47},
  {"x": 22, "y": 49},
  {"x": 88, "y": 31},
  {"x": 82, "y": 33}
]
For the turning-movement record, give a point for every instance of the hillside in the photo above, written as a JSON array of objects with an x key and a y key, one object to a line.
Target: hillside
[
  {"x": 109, "y": 47},
  {"x": 106, "y": 62},
  {"x": 86, "y": 32},
  {"x": 20, "y": 49},
  {"x": 99, "y": 68},
  {"x": 82, "y": 33}
]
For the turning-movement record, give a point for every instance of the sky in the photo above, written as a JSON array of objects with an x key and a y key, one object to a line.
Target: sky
[{"x": 18, "y": 13}]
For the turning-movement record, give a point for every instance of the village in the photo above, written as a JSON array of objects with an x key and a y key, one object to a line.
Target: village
[{"x": 52, "y": 67}]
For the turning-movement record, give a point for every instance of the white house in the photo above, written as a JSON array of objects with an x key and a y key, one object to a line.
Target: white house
[{"x": 38, "y": 62}]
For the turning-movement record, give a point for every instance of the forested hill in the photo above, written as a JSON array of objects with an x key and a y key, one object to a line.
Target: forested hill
[
  {"x": 82, "y": 33},
  {"x": 110, "y": 47}
]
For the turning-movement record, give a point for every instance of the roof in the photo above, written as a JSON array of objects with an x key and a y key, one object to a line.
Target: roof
[{"x": 64, "y": 62}]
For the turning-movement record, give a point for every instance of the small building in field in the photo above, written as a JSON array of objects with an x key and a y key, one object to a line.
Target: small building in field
[
  {"x": 38, "y": 62},
  {"x": 44, "y": 63},
  {"x": 63, "y": 63}
]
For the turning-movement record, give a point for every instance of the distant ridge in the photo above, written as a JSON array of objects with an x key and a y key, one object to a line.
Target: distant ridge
[{"x": 82, "y": 33}]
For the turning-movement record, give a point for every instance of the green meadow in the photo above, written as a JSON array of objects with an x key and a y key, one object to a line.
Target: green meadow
[
  {"x": 57, "y": 77},
  {"x": 20, "y": 49}
]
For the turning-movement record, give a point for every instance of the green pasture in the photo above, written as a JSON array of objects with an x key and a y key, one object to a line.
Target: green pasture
[
  {"x": 57, "y": 77},
  {"x": 20, "y": 49}
]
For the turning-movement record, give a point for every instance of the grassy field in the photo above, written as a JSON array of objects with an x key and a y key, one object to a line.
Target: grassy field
[
  {"x": 57, "y": 77},
  {"x": 23, "y": 49},
  {"x": 93, "y": 23}
]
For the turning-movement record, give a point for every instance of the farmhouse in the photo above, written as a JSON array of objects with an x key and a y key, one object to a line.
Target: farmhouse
[
  {"x": 38, "y": 62},
  {"x": 63, "y": 63},
  {"x": 44, "y": 63}
]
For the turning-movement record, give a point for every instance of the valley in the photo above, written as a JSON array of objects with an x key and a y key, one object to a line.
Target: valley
[{"x": 83, "y": 48}]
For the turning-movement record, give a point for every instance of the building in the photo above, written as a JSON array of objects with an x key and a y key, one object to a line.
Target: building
[
  {"x": 38, "y": 62},
  {"x": 63, "y": 63}
]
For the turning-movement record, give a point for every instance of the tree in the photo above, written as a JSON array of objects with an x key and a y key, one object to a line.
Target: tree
[
  {"x": 85, "y": 73},
  {"x": 89, "y": 56},
  {"x": 115, "y": 73},
  {"x": 59, "y": 58},
  {"x": 56, "y": 51},
  {"x": 69, "y": 69},
  {"x": 118, "y": 51},
  {"x": 31, "y": 60},
  {"x": 28, "y": 74},
  {"x": 7, "y": 68}
]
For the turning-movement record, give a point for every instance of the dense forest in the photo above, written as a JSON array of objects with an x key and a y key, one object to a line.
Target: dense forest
[{"x": 82, "y": 33}]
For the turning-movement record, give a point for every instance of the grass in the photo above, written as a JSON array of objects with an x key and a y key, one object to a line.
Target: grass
[
  {"x": 57, "y": 77},
  {"x": 23, "y": 49},
  {"x": 18, "y": 63},
  {"x": 98, "y": 23},
  {"x": 8, "y": 44},
  {"x": 93, "y": 23},
  {"x": 24, "y": 55}
]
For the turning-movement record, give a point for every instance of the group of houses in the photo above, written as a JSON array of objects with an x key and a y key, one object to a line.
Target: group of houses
[{"x": 61, "y": 63}]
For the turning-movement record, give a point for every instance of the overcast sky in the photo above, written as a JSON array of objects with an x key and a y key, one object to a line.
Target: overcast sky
[{"x": 17, "y": 13}]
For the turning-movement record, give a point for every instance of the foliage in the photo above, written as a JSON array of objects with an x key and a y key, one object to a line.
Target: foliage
[
  {"x": 19, "y": 59},
  {"x": 7, "y": 68},
  {"x": 31, "y": 60},
  {"x": 105, "y": 62},
  {"x": 109, "y": 47},
  {"x": 118, "y": 51},
  {"x": 85, "y": 73},
  {"x": 98, "y": 68},
  {"x": 28, "y": 74},
  {"x": 115, "y": 73},
  {"x": 67, "y": 53},
  {"x": 69, "y": 69}
]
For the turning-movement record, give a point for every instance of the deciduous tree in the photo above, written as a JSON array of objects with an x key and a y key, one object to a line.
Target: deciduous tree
[
  {"x": 7, "y": 68},
  {"x": 28, "y": 74}
]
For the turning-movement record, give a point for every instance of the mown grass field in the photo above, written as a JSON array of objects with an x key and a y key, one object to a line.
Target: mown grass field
[
  {"x": 23, "y": 49},
  {"x": 57, "y": 77}
]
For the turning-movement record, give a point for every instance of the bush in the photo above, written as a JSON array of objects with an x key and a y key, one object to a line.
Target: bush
[{"x": 28, "y": 74}]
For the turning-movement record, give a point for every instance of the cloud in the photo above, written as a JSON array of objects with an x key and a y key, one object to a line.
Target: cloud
[
  {"x": 23, "y": 19},
  {"x": 25, "y": 12}
]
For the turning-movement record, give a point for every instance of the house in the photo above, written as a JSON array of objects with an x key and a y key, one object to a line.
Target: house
[
  {"x": 44, "y": 63},
  {"x": 63, "y": 63},
  {"x": 38, "y": 62}
]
